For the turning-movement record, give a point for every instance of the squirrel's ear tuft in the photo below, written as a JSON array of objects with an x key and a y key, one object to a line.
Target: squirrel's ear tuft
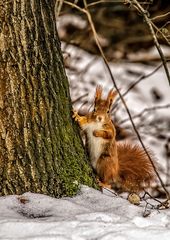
[
  {"x": 111, "y": 96},
  {"x": 98, "y": 95}
]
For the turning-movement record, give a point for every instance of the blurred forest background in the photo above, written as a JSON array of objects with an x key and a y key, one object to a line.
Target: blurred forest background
[
  {"x": 121, "y": 28},
  {"x": 129, "y": 45}
]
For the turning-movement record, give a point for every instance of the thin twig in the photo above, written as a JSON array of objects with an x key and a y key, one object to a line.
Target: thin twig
[
  {"x": 58, "y": 7},
  {"x": 121, "y": 97},
  {"x": 142, "y": 77},
  {"x": 161, "y": 33},
  {"x": 146, "y": 211},
  {"x": 167, "y": 148},
  {"x": 160, "y": 16},
  {"x": 75, "y": 6},
  {"x": 144, "y": 111},
  {"x": 167, "y": 23},
  {"x": 79, "y": 98},
  {"x": 111, "y": 1},
  {"x": 85, "y": 10},
  {"x": 111, "y": 191},
  {"x": 147, "y": 193},
  {"x": 161, "y": 205},
  {"x": 104, "y": 1},
  {"x": 144, "y": 13}
]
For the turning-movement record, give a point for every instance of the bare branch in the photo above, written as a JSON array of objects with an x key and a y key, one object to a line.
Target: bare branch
[
  {"x": 142, "y": 77},
  {"x": 160, "y": 32},
  {"x": 105, "y": 1},
  {"x": 79, "y": 98},
  {"x": 58, "y": 7},
  {"x": 85, "y": 10},
  {"x": 144, "y": 111},
  {"x": 121, "y": 97},
  {"x": 144, "y": 13},
  {"x": 112, "y": 1},
  {"x": 160, "y": 16}
]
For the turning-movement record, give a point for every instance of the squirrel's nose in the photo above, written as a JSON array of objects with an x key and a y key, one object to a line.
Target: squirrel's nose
[{"x": 99, "y": 118}]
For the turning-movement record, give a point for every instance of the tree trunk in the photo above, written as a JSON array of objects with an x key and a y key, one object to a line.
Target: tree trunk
[{"x": 40, "y": 148}]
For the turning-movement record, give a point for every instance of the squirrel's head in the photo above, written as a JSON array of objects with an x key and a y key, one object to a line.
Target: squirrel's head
[{"x": 102, "y": 106}]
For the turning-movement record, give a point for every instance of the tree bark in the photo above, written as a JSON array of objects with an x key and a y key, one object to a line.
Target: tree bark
[{"x": 40, "y": 148}]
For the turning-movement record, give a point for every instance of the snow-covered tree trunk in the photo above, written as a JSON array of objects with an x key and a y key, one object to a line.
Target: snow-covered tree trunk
[{"x": 40, "y": 149}]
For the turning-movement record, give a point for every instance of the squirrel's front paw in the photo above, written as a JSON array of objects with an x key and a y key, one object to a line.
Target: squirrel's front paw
[
  {"x": 96, "y": 133},
  {"x": 75, "y": 115},
  {"x": 103, "y": 185}
]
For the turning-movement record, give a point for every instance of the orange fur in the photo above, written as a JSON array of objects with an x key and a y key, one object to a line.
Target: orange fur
[
  {"x": 135, "y": 169},
  {"x": 124, "y": 167}
]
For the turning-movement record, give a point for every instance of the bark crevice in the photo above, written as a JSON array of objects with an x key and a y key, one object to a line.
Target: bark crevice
[{"x": 40, "y": 150}]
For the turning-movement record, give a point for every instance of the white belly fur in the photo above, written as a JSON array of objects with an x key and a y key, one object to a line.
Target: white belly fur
[{"x": 95, "y": 144}]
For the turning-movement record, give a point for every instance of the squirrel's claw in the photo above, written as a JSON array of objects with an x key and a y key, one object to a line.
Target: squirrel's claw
[
  {"x": 103, "y": 185},
  {"x": 75, "y": 115},
  {"x": 80, "y": 119}
]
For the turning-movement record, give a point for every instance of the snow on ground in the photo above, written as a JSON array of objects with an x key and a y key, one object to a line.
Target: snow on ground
[{"x": 90, "y": 215}]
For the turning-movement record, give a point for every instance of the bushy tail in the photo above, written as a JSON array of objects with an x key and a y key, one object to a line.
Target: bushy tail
[{"x": 135, "y": 169}]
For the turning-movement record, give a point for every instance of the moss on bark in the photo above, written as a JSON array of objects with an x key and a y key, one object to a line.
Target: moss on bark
[{"x": 40, "y": 147}]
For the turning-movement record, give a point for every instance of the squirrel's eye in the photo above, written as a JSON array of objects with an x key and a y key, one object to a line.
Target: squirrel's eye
[
  {"x": 108, "y": 111},
  {"x": 95, "y": 108}
]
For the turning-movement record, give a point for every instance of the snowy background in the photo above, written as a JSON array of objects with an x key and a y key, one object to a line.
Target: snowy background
[
  {"x": 148, "y": 101},
  {"x": 92, "y": 214}
]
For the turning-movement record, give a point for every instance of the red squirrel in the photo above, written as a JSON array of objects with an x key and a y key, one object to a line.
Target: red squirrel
[{"x": 120, "y": 166}]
